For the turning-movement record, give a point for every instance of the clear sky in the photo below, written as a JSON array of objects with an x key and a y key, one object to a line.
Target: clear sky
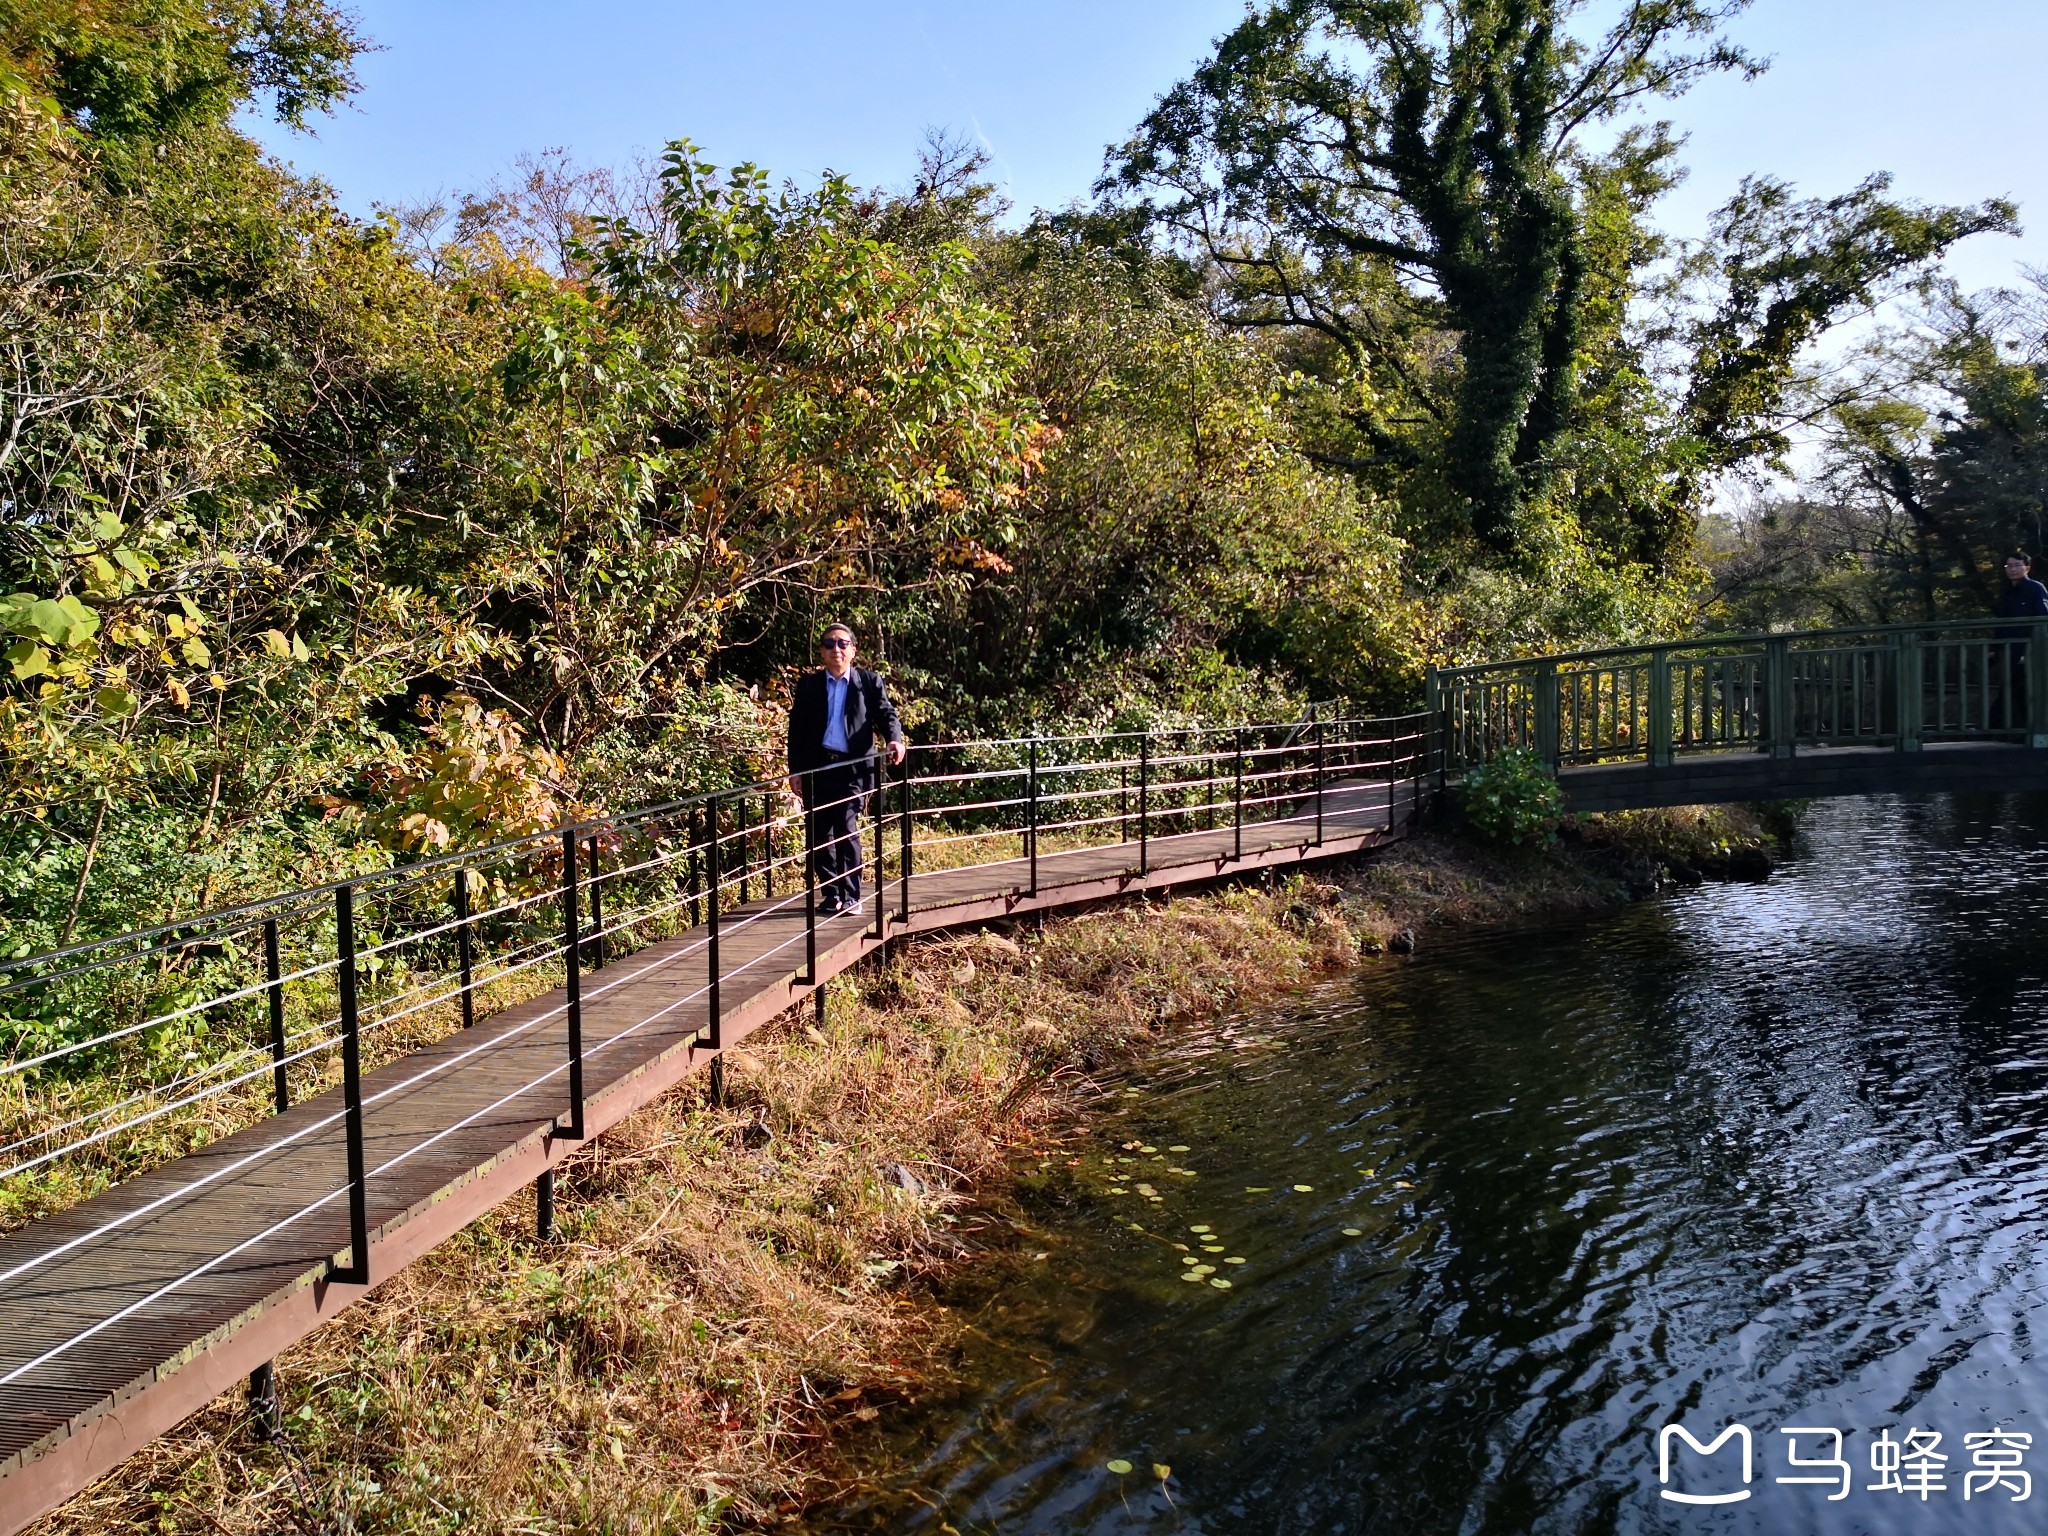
[{"x": 1946, "y": 94}]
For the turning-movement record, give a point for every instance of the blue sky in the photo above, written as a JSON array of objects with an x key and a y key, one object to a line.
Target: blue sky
[{"x": 1948, "y": 96}]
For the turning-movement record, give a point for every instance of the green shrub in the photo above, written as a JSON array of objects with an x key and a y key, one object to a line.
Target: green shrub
[{"x": 1513, "y": 800}]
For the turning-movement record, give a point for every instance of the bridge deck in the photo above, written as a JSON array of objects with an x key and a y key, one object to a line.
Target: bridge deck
[
  {"x": 123, "y": 1314},
  {"x": 1808, "y": 774}
]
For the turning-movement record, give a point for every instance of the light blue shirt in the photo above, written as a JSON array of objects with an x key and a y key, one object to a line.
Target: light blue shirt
[{"x": 835, "y": 711}]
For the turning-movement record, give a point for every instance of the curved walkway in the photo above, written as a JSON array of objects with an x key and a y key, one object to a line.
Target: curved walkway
[{"x": 124, "y": 1314}]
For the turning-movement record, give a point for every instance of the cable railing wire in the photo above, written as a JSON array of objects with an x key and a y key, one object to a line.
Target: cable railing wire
[{"x": 685, "y": 870}]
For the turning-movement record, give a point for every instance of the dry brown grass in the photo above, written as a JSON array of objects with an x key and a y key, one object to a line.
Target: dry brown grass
[{"x": 733, "y": 1286}]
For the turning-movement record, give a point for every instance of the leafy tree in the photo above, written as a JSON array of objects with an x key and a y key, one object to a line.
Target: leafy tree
[
  {"x": 1442, "y": 210},
  {"x": 1396, "y": 177},
  {"x": 753, "y": 397},
  {"x": 1933, "y": 463},
  {"x": 144, "y": 71},
  {"x": 1782, "y": 270}
]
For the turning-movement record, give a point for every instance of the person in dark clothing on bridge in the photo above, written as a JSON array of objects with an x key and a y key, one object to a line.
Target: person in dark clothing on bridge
[
  {"x": 2023, "y": 598},
  {"x": 833, "y": 720}
]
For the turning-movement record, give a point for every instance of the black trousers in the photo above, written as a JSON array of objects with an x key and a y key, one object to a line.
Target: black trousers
[
  {"x": 832, "y": 821},
  {"x": 2005, "y": 703}
]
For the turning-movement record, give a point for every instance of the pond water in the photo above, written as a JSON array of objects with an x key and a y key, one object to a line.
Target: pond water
[{"x": 1768, "y": 1155}]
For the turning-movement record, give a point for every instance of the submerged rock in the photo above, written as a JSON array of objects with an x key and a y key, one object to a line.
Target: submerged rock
[{"x": 1749, "y": 863}]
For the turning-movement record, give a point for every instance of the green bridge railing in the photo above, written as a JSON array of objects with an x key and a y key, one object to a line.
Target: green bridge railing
[{"x": 1889, "y": 685}]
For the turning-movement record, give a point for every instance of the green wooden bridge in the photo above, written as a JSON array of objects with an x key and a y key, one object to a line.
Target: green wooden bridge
[{"x": 1887, "y": 709}]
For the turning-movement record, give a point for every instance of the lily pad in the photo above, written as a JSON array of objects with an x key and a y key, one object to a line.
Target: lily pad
[
  {"x": 1148, "y": 1149},
  {"x": 1179, "y": 1147},
  {"x": 1161, "y": 1470},
  {"x": 1119, "y": 1466},
  {"x": 1189, "y": 1274},
  {"x": 1212, "y": 1247},
  {"x": 1304, "y": 1189},
  {"x": 1220, "y": 1283},
  {"x": 1258, "y": 1189},
  {"x": 1202, "y": 1269},
  {"x": 1200, "y": 1226},
  {"x": 1353, "y": 1232},
  {"x": 1233, "y": 1259},
  {"x": 1119, "y": 1191}
]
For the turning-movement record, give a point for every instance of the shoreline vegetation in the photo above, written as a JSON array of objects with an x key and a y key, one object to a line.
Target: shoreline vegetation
[{"x": 736, "y": 1295}]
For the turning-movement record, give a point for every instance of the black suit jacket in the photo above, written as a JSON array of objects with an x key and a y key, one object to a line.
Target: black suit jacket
[{"x": 868, "y": 709}]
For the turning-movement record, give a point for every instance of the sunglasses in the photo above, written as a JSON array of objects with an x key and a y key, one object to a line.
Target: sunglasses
[{"x": 840, "y": 644}]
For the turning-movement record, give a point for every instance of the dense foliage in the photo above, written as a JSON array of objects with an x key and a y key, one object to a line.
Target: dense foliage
[
  {"x": 1512, "y": 799},
  {"x": 323, "y": 540},
  {"x": 1932, "y": 465}
]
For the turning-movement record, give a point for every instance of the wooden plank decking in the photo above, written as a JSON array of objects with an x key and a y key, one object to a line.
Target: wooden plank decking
[{"x": 120, "y": 1316}]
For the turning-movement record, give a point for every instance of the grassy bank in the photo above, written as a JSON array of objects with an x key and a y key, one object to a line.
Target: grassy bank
[{"x": 733, "y": 1287}]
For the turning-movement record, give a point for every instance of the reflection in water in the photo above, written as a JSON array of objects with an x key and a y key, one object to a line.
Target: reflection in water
[{"x": 1767, "y": 1154}]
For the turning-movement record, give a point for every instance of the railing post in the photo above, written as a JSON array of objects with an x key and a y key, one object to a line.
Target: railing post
[
  {"x": 693, "y": 871},
  {"x": 1660, "y": 709},
  {"x": 465, "y": 954},
  {"x": 572, "y": 981},
  {"x": 881, "y": 847},
  {"x": 1778, "y": 702},
  {"x": 739, "y": 811},
  {"x": 1909, "y": 676},
  {"x": 1316, "y": 719},
  {"x": 273, "y": 969},
  {"x": 1209, "y": 779},
  {"x": 1438, "y": 748},
  {"x": 1416, "y": 771},
  {"x": 810, "y": 890},
  {"x": 1031, "y": 802},
  {"x": 1237, "y": 801},
  {"x": 767, "y": 847},
  {"x": 266, "y": 1413},
  {"x": 1145, "y": 801},
  {"x": 358, "y": 1270},
  {"x": 1545, "y": 688},
  {"x": 544, "y": 1206},
  {"x": 596, "y": 906},
  {"x": 2037, "y": 684},
  {"x": 903, "y": 785},
  {"x": 711, "y": 883}
]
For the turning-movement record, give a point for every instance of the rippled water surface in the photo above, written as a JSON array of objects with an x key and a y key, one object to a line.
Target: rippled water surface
[{"x": 1759, "y": 1154}]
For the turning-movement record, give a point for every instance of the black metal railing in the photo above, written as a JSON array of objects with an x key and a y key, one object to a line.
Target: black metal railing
[{"x": 126, "y": 1051}]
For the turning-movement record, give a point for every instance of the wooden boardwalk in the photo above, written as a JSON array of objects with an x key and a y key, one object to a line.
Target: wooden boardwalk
[{"x": 122, "y": 1315}]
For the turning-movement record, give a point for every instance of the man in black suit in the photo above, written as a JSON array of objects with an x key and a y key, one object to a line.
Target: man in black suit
[{"x": 832, "y": 724}]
